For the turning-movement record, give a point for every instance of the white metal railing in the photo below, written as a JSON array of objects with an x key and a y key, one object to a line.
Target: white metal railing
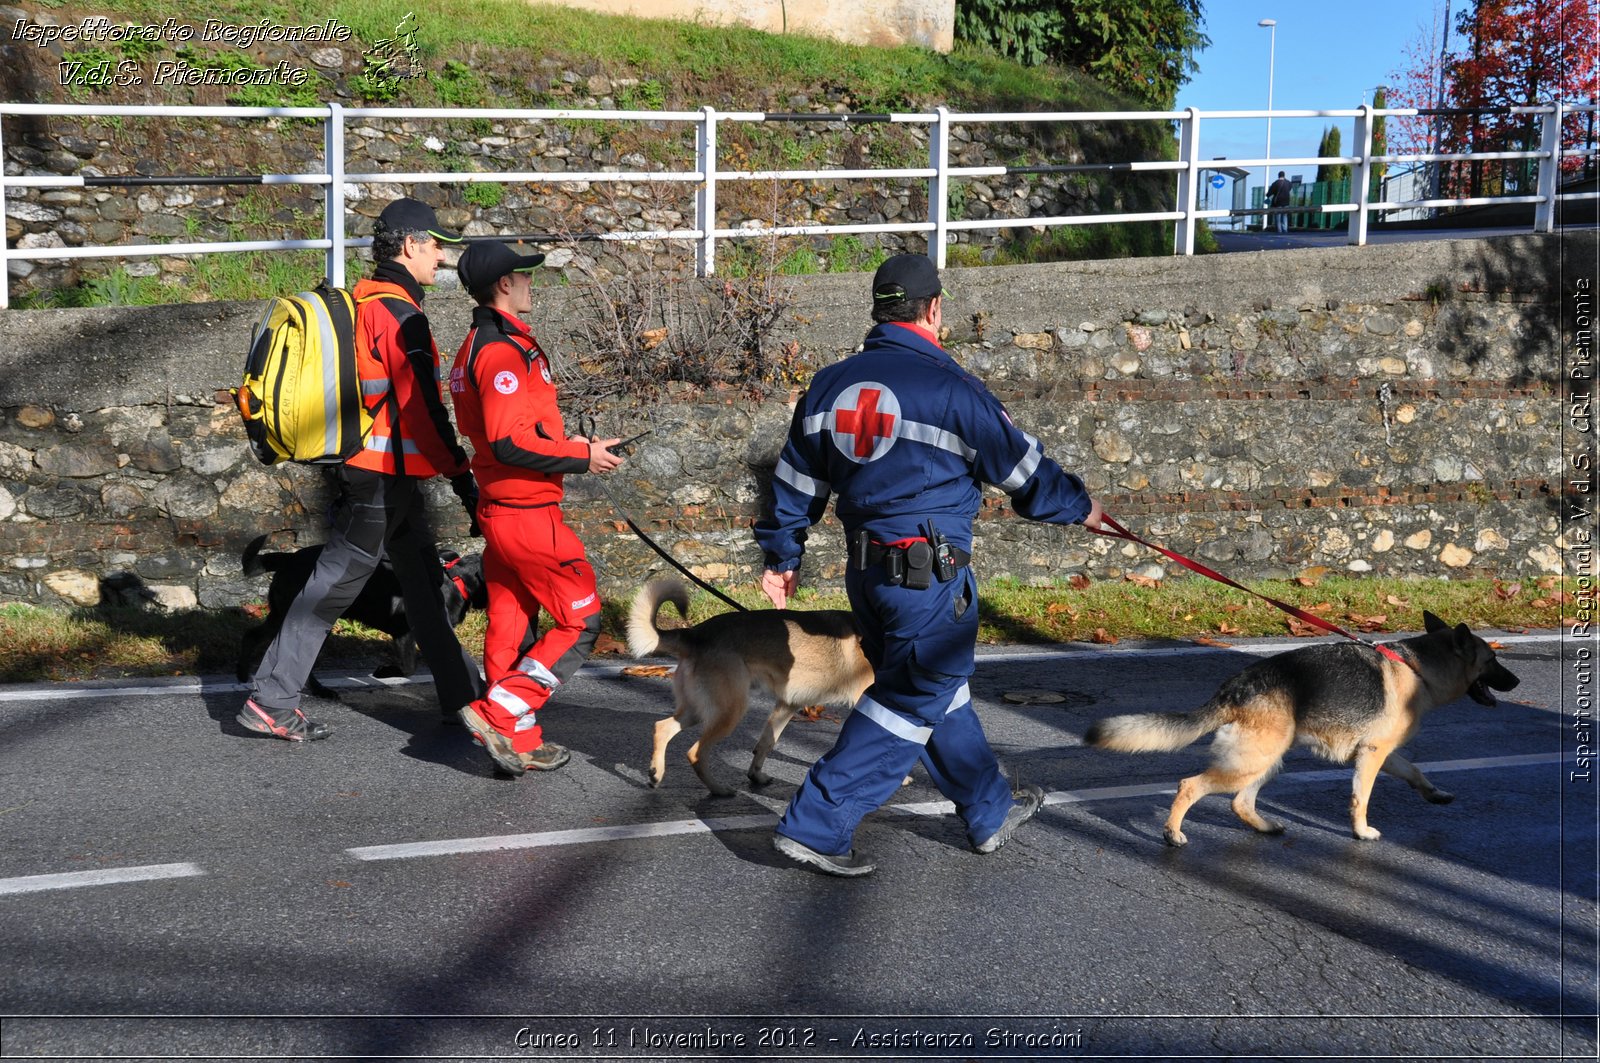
[{"x": 705, "y": 176}]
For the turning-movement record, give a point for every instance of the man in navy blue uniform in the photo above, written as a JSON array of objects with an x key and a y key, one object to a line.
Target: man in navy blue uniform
[{"x": 905, "y": 438}]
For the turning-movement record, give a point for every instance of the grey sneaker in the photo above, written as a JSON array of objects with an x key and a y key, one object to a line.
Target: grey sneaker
[
  {"x": 497, "y": 745},
  {"x": 845, "y": 865},
  {"x": 1029, "y": 798},
  {"x": 548, "y": 757},
  {"x": 291, "y": 726}
]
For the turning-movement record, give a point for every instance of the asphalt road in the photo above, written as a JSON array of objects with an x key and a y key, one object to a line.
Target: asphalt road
[{"x": 172, "y": 887}]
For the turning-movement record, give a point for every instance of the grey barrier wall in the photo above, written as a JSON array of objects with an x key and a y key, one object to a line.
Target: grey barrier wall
[{"x": 1391, "y": 409}]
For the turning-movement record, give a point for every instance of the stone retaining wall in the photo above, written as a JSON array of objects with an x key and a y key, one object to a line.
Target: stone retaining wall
[{"x": 1390, "y": 409}]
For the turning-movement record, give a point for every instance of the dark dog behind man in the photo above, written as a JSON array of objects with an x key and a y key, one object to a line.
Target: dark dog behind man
[
  {"x": 1343, "y": 700},
  {"x": 381, "y": 604}
]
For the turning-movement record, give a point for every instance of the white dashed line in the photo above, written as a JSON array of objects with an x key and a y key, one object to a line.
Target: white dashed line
[
  {"x": 636, "y": 832},
  {"x": 104, "y": 877}
]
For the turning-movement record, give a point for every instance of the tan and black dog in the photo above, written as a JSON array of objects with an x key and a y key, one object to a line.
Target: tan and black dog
[
  {"x": 1344, "y": 701},
  {"x": 799, "y": 657}
]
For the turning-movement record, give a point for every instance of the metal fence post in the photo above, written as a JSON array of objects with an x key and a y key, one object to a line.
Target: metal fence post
[
  {"x": 333, "y": 162},
  {"x": 705, "y": 198},
  {"x": 1544, "y": 212},
  {"x": 939, "y": 185},
  {"x": 1188, "y": 183},
  {"x": 1361, "y": 177}
]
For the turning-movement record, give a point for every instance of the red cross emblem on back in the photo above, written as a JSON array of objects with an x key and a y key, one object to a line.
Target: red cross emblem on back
[{"x": 864, "y": 419}]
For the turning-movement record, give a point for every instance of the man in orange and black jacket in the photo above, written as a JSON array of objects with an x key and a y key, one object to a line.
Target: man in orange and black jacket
[
  {"x": 380, "y": 507},
  {"x": 505, "y": 400}
]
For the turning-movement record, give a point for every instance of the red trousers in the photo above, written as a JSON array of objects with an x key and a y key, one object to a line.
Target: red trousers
[{"x": 532, "y": 560}]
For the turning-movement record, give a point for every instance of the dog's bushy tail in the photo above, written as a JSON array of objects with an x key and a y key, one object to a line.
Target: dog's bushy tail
[
  {"x": 1156, "y": 732},
  {"x": 251, "y": 560},
  {"x": 644, "y": 638}
]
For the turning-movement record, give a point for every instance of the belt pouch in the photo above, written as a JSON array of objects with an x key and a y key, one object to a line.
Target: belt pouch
[
  {"x": 919, "y": 566},
  {"x": 860, "y": 544}
]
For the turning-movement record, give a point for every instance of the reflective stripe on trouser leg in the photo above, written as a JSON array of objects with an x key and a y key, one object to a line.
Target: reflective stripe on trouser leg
[{"x": 876, "y": 747}]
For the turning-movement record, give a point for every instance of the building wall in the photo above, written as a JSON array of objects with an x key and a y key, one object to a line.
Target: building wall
[{"x": 883, "y": 23}]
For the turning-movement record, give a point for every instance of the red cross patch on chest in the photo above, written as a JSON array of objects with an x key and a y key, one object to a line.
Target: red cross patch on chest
[{"x": 866, "y": 420}]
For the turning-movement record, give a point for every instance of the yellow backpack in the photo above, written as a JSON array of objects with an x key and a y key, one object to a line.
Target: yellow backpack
[{"x": 301, "y": 395}]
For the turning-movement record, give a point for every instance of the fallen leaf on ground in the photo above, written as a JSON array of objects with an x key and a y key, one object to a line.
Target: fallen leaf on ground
[
  {"x": 1103, "y": 637},
  {"x": 1079, "y": 582},
  {"x": 1507, "y": 591},
  {"x": 1057, "y": 608},
  {"x": 1225, "y": 628},
  {"x": 1392, "y": 600},
  {"x": 1497, "y": 645},
  {"x": 652, "y": 338},
  {"x": 1299, "y": 628},
  {"x": 652, "y": 671},
  {"x": 606, "y": 644},
  {"x": 1369, "y": 623},
  {"x": 817, "y": 712},
  {"x": 1143, "y": 581},
  {"x": 1236, "y": 607},
  {"x": 1203, "y": 640}
]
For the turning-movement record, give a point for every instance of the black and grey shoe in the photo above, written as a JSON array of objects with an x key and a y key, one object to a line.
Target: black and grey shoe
[
  {"x": 290, "y": 725},
  {"x": 1029, "y": 799},
  {"x": 845, "y": 865}
]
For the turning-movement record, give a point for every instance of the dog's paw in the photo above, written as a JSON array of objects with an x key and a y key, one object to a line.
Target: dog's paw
[
  {"x": 759, "y": 778},
  {"x": 1368, "y": 834},
  {"x": 389, "y": 671},
  {"x": 721, "y": 791},
  {"x": 655, "y": 780},
  {"x": 1440, "y": 797},
  {"x": 1270, "y": 826},
  {"x": 1176, "y": 838}
]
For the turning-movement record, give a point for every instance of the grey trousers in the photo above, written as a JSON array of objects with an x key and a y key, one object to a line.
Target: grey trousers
[{"x": 374, "y": 514}]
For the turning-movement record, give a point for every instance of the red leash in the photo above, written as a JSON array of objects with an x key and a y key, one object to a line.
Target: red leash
[{"x": 1119, "y": 532}]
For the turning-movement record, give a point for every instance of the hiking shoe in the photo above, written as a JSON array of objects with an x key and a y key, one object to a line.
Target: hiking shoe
[
  {"x": 845, "y": 865},
  {"x": 293, "y": 727},
  {"x": 497, "y": 745},
  {"x": 1029, "y": 799},
  {"x": 547, "y": 757}
]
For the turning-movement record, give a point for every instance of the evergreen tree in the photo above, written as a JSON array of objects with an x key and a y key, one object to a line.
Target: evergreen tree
[{"x": 1329, "y": 146}]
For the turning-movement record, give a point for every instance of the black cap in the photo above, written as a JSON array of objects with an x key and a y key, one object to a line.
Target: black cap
[
  {"x": 412, "y": 216},
  {"x": 482, "y": 264},
  {"x": 906, "y": 277}
]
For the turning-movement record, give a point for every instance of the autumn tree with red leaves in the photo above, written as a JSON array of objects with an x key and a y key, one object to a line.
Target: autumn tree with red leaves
[{"x": 1506, "y": 53}]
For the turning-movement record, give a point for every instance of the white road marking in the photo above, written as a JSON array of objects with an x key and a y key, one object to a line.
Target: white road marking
[
  {"x": 636, "y": 832},
  {"x": 104, "y": 877},
  {"x": 611, "y": 669}
]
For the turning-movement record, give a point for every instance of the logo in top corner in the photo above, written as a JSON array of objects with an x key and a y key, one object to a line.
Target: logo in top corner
[{"x": 865, "y": 421}]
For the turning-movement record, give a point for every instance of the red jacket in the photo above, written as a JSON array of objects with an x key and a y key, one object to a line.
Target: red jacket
[
  {"x": 395, "y": 352},
  {"x": 505, "y": 401}
]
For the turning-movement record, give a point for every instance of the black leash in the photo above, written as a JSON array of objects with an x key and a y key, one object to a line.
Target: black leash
[{"x": 633, "y": 525}]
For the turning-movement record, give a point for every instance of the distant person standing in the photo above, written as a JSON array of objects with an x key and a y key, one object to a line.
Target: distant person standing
[{"x": 1279, "y": 194}]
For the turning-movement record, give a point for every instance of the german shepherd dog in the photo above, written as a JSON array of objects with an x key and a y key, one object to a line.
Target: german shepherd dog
[
  {"x": 380, "y": 605},
  {"x": 799, "y": 657},
  {"x": 1345, "y": 701}
]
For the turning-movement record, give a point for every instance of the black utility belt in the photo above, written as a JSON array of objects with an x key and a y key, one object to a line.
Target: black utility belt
[{"x": 915, "y": 565}]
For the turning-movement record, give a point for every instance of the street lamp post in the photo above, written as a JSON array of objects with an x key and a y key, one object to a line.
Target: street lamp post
[{"x": 1272, "y": 53}]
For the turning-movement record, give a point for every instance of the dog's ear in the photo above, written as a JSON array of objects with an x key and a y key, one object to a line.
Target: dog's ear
[
  {"x": 1431, "y": 623},
  {"x": 1466, "y": 641}
]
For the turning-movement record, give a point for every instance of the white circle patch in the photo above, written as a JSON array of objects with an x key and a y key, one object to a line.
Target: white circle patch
[
  {"x": 865, "y": 421},
  {"x": 505, "y": 382}
]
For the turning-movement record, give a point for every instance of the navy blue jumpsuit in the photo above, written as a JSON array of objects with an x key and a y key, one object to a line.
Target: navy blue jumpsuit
[{"x": 903, "y": 436}]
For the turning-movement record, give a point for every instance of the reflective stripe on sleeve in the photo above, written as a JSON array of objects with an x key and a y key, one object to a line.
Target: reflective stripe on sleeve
[
  {"x": 510, "y": 702},
  {"x": 800, "y": 481},
  {"x": 1025, "y": 468},
  {"x": 894, "y": 723},
  {"x": 960, "y": 699}
]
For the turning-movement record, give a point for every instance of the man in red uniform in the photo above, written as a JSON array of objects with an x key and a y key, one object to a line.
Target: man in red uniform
[
  {"x": 505, "y": 402},
  {"x": 380, "y": 507}
]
